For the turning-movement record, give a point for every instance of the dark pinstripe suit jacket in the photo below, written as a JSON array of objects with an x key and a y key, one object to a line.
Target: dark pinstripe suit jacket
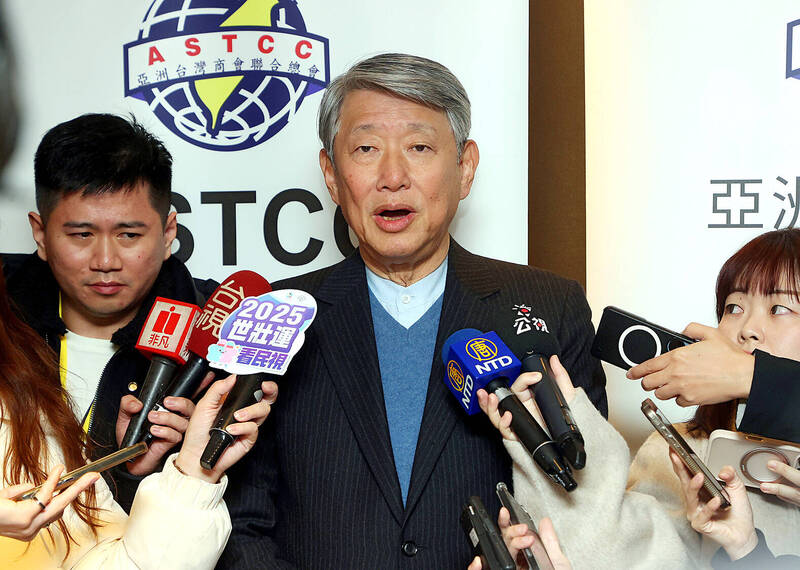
[{"x": 321, "y": 491}]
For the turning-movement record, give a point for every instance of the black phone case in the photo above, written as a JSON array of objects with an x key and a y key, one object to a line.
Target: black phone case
[{"x": 625, "y": 340}]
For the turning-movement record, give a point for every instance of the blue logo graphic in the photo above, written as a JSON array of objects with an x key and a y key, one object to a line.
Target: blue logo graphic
[{"x": 225, "y": 75}]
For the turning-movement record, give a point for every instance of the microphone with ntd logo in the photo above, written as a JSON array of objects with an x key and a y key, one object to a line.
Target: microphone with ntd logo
[{"x": 475, "y": 360}]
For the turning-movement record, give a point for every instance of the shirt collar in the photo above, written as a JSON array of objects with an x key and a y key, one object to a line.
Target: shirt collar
[{"x": 407, "y": 304}]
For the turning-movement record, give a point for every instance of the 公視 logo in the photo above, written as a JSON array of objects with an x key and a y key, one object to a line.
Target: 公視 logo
[{"x": 225, "y": 75}]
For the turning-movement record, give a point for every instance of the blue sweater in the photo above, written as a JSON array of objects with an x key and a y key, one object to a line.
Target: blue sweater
[{"x": 405, "y": 357}]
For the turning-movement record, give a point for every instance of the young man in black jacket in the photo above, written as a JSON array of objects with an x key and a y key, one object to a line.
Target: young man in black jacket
[{"x": 104, "y": 233}]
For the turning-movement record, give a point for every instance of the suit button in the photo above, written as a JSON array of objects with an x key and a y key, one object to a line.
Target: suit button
[{"x": 409, "y": 548}]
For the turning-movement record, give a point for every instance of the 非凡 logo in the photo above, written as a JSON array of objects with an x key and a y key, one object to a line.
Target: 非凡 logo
[{"x": 225, "y": 75}]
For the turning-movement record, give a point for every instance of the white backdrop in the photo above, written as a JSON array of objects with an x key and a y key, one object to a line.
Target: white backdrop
[
  {"x": 70, "y": 57},
  {"x": 680, "y": 94}
]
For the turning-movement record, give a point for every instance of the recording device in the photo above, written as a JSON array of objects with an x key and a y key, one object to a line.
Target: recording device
[
  {"x": 690, "y": 459},
  {"x": 625, "y": 340},
  {"x": 256, "y": 341},
  {"x": 536, "y": 556},
  {"x": 163, "y": 338},
  {"x": 205, "y": 332},
  {"x": 475, "y": 360},
  {"x": 748, "y": 455},
  {"x": 534, "y": 349},
  {"x": 107, "y": 462},
  {"x": 484, "y": 536}
]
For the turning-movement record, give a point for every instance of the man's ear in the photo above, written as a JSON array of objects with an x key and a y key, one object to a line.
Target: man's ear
[
  {"x": 37, "y": 229},
  {"x": 468, "y": 165},
  {"x": 170, "y": 231},
  {"x": 329, "y": 172}
]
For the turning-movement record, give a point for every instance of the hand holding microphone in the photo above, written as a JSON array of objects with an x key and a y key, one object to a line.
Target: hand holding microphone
[
  {"x": 163, "y": 338},
  {"x": 258, "y": 339},
  {"x": 535, "y": 348},
  {"x": 474, "y": 361},
  {"x": 205, "y": 332},
  {"x": 243, "y": 429}
]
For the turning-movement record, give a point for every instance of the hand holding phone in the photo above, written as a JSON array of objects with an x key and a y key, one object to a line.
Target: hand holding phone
[
  {"x": 687, "y": 455},
  {"x": 107, "y": 462},
  {"x": 625, "y": 340},
  {"x": 536, "y": 556}
]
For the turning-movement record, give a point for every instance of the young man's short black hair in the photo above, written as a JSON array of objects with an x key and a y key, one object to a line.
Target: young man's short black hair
[{"x": 99, "y": 153}]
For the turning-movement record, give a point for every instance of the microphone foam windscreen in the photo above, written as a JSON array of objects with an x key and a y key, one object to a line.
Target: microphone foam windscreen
[{"x": 459, "y": 336}]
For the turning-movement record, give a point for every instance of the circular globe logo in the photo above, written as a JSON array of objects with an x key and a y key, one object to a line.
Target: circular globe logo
[{"x": 225, "y": 75}]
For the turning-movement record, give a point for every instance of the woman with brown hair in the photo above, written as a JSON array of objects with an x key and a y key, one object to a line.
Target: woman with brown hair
[
  {"x": 636, "y": 513},
  {"x": 178, "y": 519}
]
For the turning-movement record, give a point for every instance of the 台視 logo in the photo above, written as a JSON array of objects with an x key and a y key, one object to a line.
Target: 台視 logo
[{"x": 225, "y": 74}]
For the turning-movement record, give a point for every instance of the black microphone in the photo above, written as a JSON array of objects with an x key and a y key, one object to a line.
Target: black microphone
[
  {"x": 163, "y": 337},
  {"x": 475, "y": 360},
  {"x": 534, "y": 349},
  {"x": 246, "y": 391}
]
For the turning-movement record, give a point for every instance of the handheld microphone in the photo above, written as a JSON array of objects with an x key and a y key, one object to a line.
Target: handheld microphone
[
  {"x": 484, "y": 536},
  {"x": 534, "y": 349},
  {"x": 475, "y": 360},
  {"x": 257, "y": 340},
  {"x": 205, "y": 333},
  {"x": 163, "y": 337}
]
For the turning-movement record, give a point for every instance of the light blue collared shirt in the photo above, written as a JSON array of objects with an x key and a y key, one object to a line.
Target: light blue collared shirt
[{"x": 407, "y": 304}]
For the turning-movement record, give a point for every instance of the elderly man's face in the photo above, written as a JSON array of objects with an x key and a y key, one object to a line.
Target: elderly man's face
[{"x": 397, "y": 178}]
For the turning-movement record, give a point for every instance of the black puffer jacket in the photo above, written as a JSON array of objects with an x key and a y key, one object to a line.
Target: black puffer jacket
[{"x": 34, "y": 290}]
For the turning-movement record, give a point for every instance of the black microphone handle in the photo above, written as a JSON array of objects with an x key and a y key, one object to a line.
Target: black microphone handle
[
  {"x": 246, "y": 391},
  {"x": 183, "y": 385},
  {"x": 535, "y": 440},
  {"x": 555, "y": 410},
  {"x": 155, "y": 383},
  {"x": 526, "y": 428}
]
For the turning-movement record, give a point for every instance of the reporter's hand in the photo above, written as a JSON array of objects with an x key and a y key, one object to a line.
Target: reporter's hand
[
  {"x": 167, "y": 429},
  {"x": 710, "y": 371},
  {"x": 787, "y": 490},
  {"x": 732, "y": 529},
  {"x": 522, "y": 388},
  {"x": 245, "y": 431},
  {"x": 23, "y": 520},
  {"x": 517, "y": 537}
]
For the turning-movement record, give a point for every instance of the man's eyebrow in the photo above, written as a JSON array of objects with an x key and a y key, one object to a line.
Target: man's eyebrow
[
  {"x": 423, "y": 127},
  {"x": 91, "y": 226}
]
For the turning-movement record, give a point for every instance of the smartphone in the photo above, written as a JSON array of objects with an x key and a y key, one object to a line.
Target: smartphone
[
  {"x": 484, "y": 536},
  {"x": 625, "y": 340},
  {"x": 98, "y": 466},
  {"x": 711, "y": 486},
  {"x": 748, "y": 455},
  {"x": 536, "y": 556}
]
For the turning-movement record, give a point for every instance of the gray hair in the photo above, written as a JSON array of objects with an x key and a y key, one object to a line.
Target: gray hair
[{"x": 406, "y": 76}]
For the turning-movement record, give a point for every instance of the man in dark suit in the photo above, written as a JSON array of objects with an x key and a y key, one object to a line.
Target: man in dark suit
[{"x": 369, "y": 459}]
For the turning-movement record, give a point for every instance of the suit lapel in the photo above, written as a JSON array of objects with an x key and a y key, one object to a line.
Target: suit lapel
[
  {"x": 469, "y": 283},
  {"x": 347, "y": 343}
]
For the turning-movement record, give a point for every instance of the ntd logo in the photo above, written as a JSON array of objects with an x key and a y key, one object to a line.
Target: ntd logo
[
  {"x": 481, "y": 349},
  {"x": 496, "y": 364}
]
